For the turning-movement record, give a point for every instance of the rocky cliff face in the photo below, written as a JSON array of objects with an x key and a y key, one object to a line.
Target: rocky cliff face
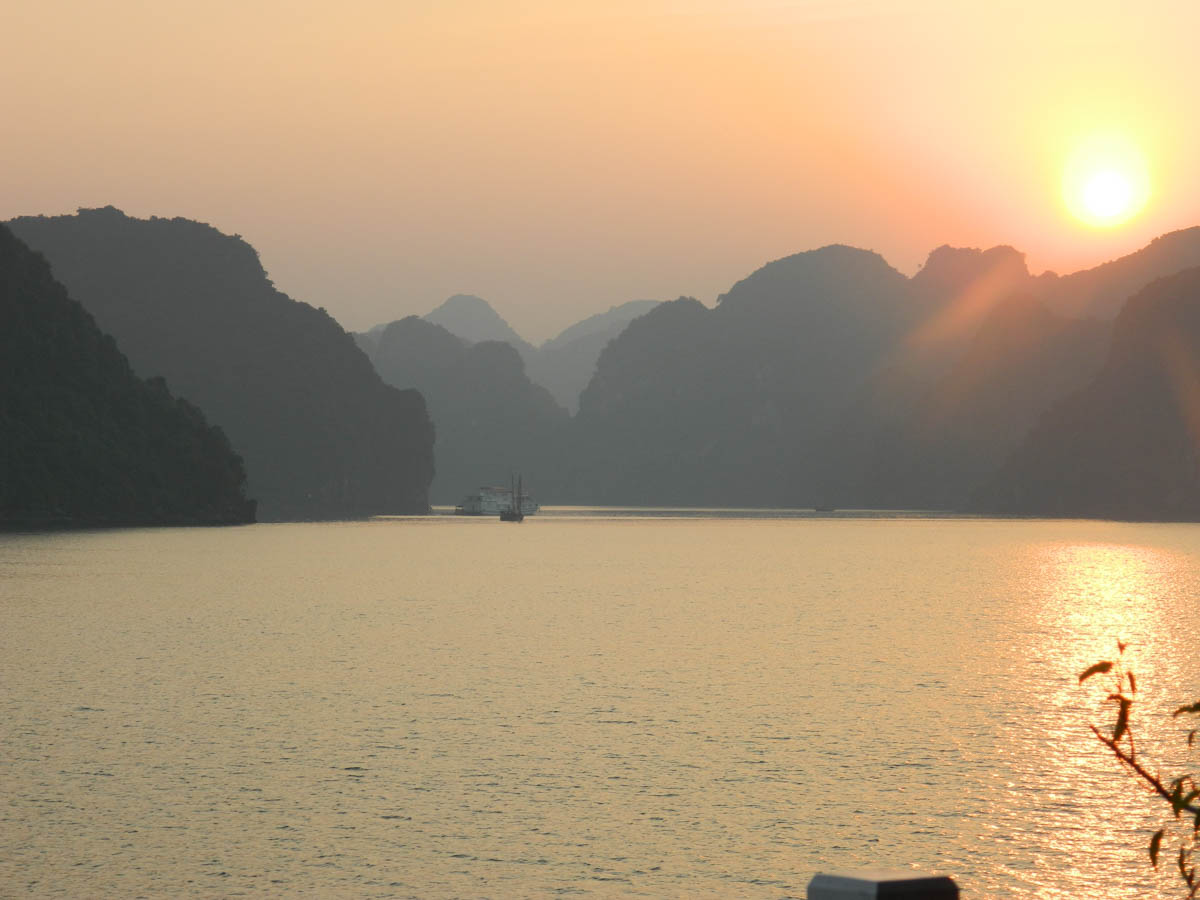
[
  {"x": 827, "y": 378},
  {"x": 85, "y": 441},
  {"x": 1126, "y": 446},
  {"x": 937, "y": 446},
  {"x": 728, "y": 406},
  {"x": 565, "y": 364},
  {"x": 322, "y": 436},
  {"x": 492, "y": 421}
]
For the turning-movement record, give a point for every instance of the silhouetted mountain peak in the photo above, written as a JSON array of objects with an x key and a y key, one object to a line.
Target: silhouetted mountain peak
[
  {"x": 321, "y": 434},
  {"x": 682, "y": 312},
  {"x": 183, "y": 251},
  {"x": 1102, "y": 290},
  {"x": 430, "y": 332},
  {"x": 411, "y": 345},
  {"x": 957, "y": 289},
  {"x": 473, "y": 319},
  {"x": 950, "y": 271},
  {"x": 101, "y": 212},
  {"x": 811, "y": 273},
  {"x": 1181, "y": 239},
  {"x": 614, "y": 320},
  {"x": 498, "y": 353},
  {"x": 467, "y": 305}
]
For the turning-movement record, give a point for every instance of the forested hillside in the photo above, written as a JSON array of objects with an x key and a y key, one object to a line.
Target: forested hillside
[
  {"x": 322, "y": 436},
  {"x": 84, "y": 441}
]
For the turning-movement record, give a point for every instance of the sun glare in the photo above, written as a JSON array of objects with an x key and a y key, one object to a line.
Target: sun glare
[{"x": 1106, "y": 182}]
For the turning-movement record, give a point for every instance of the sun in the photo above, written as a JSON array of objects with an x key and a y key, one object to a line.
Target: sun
[{"x": 1106, "y": 181}]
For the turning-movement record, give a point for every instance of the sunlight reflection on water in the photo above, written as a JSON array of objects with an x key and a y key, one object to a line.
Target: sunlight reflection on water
[{"x": 610, "y": 706}]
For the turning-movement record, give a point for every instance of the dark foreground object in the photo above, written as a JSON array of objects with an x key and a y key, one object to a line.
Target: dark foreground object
[{"x": 884, "y": 884}]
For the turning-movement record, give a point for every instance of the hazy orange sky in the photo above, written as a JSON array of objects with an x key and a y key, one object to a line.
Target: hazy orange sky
[{"x": 560, "y": 157}]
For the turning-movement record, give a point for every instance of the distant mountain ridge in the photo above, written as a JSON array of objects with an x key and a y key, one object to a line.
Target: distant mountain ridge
[
  {"x": 563, "y": 365},
  {"x": 613, "y": 319},
  {"x": 828, "y": 379},
  {"x": 491, "y": 420},
  {"x": 1102, "y": 290},
  {"x": 322, "y": 436},
  {"x": 473, "y": 319},
  {"x": 824, "y": 378}
]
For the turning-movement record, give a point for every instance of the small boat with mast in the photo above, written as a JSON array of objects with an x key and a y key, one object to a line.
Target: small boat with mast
[
  {"x": 514, "y": 513},
  {"x": 490, "y": 501}
]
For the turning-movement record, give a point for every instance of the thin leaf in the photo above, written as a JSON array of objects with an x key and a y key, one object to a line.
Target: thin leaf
[
  {"x": 1132, "y": 681},
  {"x": 1098, "y": 669},
  {"x": 1122, "y": 720},
  {"x": 1177, "y": 796},
  {"x": 1155, "y": 843}
]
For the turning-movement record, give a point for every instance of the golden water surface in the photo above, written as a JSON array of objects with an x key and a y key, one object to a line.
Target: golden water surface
[{"x": 583, "y": 704}]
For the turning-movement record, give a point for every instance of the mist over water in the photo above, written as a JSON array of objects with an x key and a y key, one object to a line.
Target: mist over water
[{"x": 613, "y": 704}]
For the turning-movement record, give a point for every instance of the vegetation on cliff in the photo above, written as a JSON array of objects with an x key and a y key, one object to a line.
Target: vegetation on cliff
[
  {"x": 85, "y": 441},
  {"x": 321, "y": 434}
]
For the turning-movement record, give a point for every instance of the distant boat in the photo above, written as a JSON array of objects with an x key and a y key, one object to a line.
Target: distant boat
[
  {"x": 491, "y": 501},
  {"x": 514, "y": 513}
]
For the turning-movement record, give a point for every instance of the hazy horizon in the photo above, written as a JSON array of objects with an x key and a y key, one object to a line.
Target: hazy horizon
[{"x": 557, "y": 159}]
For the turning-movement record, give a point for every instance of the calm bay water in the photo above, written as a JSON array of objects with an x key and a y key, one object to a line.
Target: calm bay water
[{"x": 594, "y": 704}]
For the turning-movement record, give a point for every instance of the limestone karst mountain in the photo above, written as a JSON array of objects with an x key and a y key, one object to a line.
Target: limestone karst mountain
[
  {"x": 1127, "y": 446},
  {"x": 728, "y": 406},
  {"x": 1102, "y": 290},
  {"x": 321, "y": 435},
  {"x": 827, "y": 378},
  {"x": 85, "y": 441},
  {"x": 491, "y": 420},
  {"x": 565, "y": 364},
  {"x": 936, "y": 447},
  {"x": 473, "y": 319}
]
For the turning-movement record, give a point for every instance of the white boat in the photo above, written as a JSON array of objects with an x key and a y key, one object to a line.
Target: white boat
[{"x": 491, "y": 501}]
